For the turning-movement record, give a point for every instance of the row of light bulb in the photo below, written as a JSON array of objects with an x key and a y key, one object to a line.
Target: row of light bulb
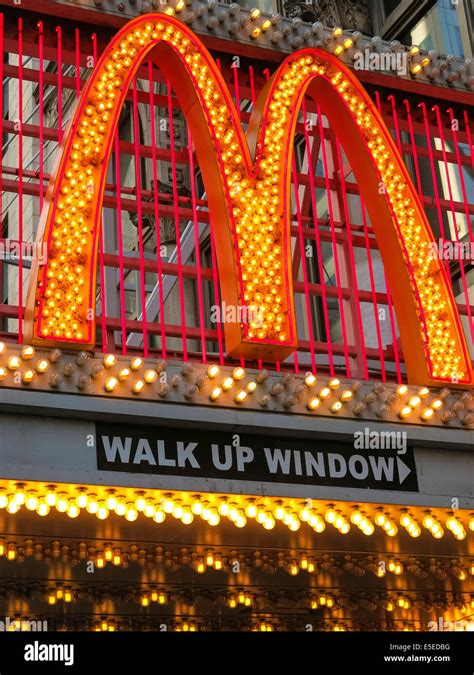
[
  {"x": 266, "y": 626},
  {"x": 219, "y": 560},
  {"x": 108, "y": 626},
  {"x": 238, "y": 510},
  {"x": 255, "y": 25},
  {"x": 235, "y": 599},
  {"x": 220, "y": 383}
]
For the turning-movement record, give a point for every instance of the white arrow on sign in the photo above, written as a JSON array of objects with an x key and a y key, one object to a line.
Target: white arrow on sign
[{"x": 403, "y": 470}]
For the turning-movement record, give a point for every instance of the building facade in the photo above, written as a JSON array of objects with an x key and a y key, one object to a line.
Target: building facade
[{"x": 296, "y": 458}]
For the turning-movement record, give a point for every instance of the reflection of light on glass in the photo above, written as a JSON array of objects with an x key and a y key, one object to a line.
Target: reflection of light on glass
[{"x": 444, "y": 28}]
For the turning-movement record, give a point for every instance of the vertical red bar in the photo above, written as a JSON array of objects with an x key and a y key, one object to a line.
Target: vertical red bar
[
  {"x": 254, "y": 98},
  {"x": 118, "y": 198},
  {"x": 60, "y": 83},
  {"x": 176, "y": 221},
  {"x": 239, "y": 112},
  {"x": 108, "y": 341},
  {"x": 469, "y": 138},
  {"x": 40, "y": 112},
  {"x": 360, "y": 329},
  {"x": 454, "y": 133},
  {"x": 1, "y": 118},
  {"x": 105, "y": 347},
  {"x": 334, "y": 243},
  {"x": 252, "y": 85},
  {"x": 391, "y": 315},
  {"x": 77, "y": 38},
  {"x": 1, "y": 157},
  {"x": 434, "y": 180},
  {"x": 220, "y": 337},
  {"x": 20, "y": 179},
  {"x": 106, "y": 338},
  {"x": 319, "y": 253},
  {"x": 196, "y": 247},
  {"x": 215, "y": 279},
  {"x": 406, "y": 103},
  {"x": 235, "y": 70},
  {"x": 296, "y": 366},
  {"x": 373, "y": 292},
  {"x": 138, "y": 194},
  {"x": 94, "y": 47},
  {"x": 157, "y": 212},
  {"x": 378, "y": 102},
  {"x": 303, "y": 266},
  {"x": 391, "y": 98}
]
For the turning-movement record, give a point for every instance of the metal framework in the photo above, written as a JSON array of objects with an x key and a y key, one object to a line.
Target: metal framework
[{"x": 157, "y": 285}]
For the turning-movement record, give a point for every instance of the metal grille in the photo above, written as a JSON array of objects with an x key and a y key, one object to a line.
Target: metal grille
[{"x": 157, "y": 283}]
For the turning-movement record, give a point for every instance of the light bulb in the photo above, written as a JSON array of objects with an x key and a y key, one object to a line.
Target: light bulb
[
  {"x": 27, "y": 352},
  {"x": 313, "y": 403},
  {"x": 150, "y": 376},
  {"x": 215, "y": 393},
  {"x": 111, "y": 383},
  {"x": 73, "y": 511},
  {"x": 13, "y": 363},
  {"x": 42, "y": 366},
  {"x": 240, "y": 396},
  {"x": 138, "y": 386},
  {"x": 110, "y": 360},
  {"x": 31, "y": 501},
  {"x": 213, "y": 371},
  {"x": 405, "y": 411},
  {"x": 136, "y": 363}
]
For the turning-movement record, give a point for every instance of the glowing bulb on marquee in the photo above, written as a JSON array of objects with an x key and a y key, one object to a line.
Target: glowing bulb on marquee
[{"x": 247, "y": 180}]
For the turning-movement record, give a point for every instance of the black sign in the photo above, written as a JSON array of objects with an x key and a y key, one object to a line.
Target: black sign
[{"x": 251, "y": 457}]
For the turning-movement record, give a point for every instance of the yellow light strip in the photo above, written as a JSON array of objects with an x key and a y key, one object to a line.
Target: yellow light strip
[{"x": 157, "y": 505}]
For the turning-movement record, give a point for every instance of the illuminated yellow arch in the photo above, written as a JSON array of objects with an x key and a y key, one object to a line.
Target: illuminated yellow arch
[{"x": 247, "y": 182}]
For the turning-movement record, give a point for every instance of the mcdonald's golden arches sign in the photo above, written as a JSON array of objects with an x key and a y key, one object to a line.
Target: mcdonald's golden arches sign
[{"x": 247, "y": 180}]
